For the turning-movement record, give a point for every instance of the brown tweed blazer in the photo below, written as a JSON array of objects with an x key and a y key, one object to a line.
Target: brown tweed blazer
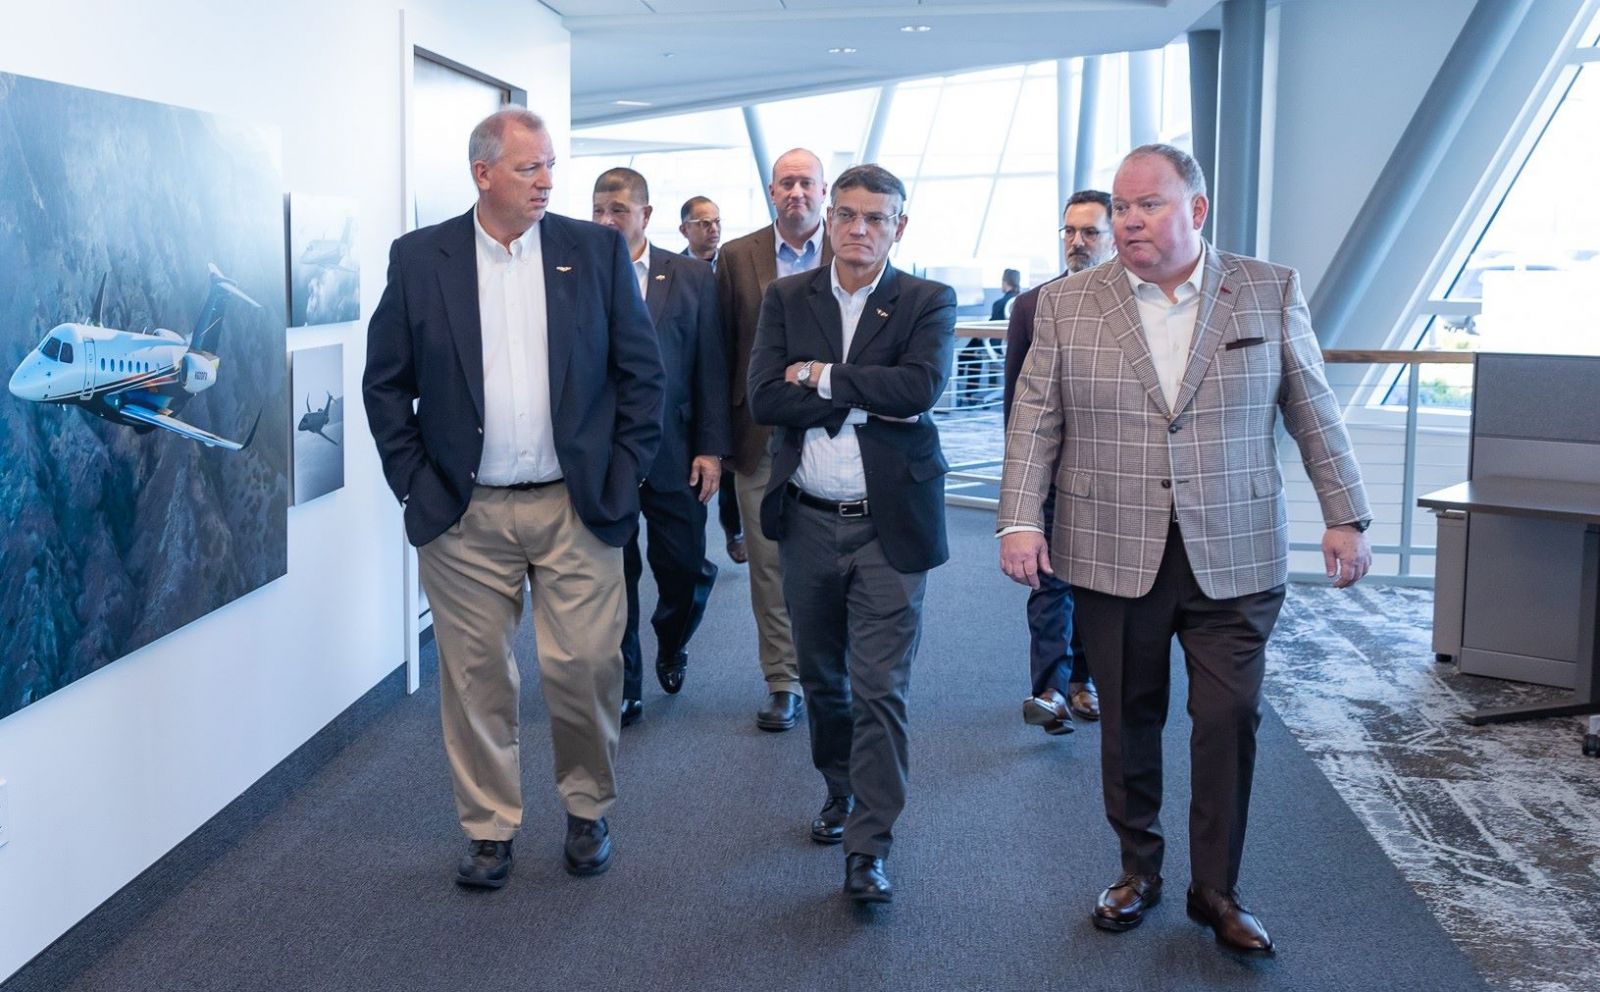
[
  {"x": 1091, "y": 415},
  {"x": 744, "y": 269}
]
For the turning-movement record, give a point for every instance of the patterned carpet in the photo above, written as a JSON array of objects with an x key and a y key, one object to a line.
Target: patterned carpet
[{"x": 1497, "y": 828}]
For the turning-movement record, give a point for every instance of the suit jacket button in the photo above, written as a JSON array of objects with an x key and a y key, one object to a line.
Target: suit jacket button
[
  {"x": 1172, "y": 428},
  {"x": 474, "y": 477},
  {"x": 480, "y": 430},
  {"x": 1166, "y": 483}
]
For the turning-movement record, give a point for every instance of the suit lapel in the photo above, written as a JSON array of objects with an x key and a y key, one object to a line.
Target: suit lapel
[
  {"x": 659, "y": 283},
  {"x": 1121, "y": 312},
  {"x": 826, "y": 310},
  {"x": 1217, "y": 291},
  {"x": 458, "y": 285},
  {"x": 766, "y": 258},
  {"x": 560, "y": 295},
  {"x": 876, "y": 312}
]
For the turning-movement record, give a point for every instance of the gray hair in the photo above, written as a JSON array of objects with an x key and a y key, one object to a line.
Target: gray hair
[
  {"x": 871, "y": 177},
  {"x": 489, "y": 137},
  {"x": 1194, "y": 180}
]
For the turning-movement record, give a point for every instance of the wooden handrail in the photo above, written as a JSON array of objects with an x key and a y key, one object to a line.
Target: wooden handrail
[{"x": 1341, "y": 356}]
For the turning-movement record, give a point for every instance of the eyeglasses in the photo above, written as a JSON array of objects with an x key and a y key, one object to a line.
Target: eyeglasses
[
  {"x": 705, "y": 224},
  {"x": 846, "y": 217},
  {"x": 1089, "y": 233}
]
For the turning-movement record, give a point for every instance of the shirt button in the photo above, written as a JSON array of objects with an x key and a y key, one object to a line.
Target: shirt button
[{"x": 1166, "y": 483}]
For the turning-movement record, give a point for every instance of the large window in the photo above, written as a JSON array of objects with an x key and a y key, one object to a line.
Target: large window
[{"x": 1519, "y": 284}]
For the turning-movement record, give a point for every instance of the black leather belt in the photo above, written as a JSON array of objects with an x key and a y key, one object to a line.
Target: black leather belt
[
  {"x": 844, "y": 508},
  {"x": 523, "y": 487}
]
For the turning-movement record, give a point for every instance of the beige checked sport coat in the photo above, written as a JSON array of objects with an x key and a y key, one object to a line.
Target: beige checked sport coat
[{"x": 1090, "y": 416}]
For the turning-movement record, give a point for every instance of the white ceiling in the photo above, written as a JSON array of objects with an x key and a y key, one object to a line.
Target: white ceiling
[{"x": 683, "y": 55}]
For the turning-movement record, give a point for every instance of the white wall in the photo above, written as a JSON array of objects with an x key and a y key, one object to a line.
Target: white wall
[{"x": 123, "y": 764}]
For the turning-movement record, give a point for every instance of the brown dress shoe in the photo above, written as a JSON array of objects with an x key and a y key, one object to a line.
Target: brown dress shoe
[
  {"x": 1123, "y": 905},
  {"x": 736, "y": 549},
  {"x": 1235, "y": 926},
  {"x": 1048, "y": 711},
  {"x": 1083, "y": 701}
]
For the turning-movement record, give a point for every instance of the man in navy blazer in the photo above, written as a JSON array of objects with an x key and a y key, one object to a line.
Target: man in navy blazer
[
  {"x": 847, "y": 362},
  {"x": 514, "y": 389},
  {"x": 681, "y": 295}
]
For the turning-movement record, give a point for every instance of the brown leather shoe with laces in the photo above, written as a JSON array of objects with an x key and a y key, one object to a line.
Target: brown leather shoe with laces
[
  {"x": 1122, "y": 906},
  {"x": 1235, "y": 926}
]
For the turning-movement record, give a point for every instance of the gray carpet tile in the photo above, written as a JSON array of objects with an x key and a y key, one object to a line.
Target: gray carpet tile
[
  {"x": 1497, "y": 827},
  {"x": 344, "y": 882}
]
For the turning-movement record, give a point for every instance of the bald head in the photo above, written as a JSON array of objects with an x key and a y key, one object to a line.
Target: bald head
[{"x": 797, "y": 193}]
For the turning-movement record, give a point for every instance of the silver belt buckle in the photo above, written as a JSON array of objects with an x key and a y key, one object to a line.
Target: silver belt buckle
[{"x": 853, "y": 508}]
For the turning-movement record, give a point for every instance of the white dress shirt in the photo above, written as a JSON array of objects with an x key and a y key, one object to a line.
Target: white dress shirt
[
  {"x": 1169, "y": 325},
  {"x": 519, "y": 443},
  {"x": 641, "y": 270},
  {"x": 791, "y": 261},
  {"x": 830, "y": 467}
]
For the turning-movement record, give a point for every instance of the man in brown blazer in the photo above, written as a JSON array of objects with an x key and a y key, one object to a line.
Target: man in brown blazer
[
  {"x": 795, "y": 243},
  {"x": 1151, "y": 399}
]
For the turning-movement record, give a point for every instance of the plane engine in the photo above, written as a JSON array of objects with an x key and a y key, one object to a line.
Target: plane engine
[{"x": 199, "y": 372}]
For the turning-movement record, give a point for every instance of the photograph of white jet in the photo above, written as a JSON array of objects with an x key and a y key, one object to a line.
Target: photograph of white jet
[{"x": 142, "y": 379}]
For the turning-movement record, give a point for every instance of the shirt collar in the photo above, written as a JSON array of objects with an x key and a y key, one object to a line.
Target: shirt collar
[
  {"x": 813, "y": 243},
  {"x": 863, "y": 292},
  {"x": 519, "y": 248},
  {"x": 642, "y": 263},
  {"x": 1193, "y": 282}
]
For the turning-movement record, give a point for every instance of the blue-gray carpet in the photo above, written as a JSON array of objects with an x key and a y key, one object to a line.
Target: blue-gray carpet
[{"x": 336, "y": 874}]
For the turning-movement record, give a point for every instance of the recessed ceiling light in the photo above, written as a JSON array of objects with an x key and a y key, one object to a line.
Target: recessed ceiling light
[
  {"x": 916, "y": 28},
  {"x": 632, "y": 103},
  {"x": 841, "y": 51}
]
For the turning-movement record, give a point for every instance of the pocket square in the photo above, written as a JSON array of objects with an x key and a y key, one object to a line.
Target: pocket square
[
  {"x": 563, "y": 268},
  {"x": 1243, "y": 343}
]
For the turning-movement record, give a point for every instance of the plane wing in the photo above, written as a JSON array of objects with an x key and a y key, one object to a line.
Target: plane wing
[{"x": 168, "y": 422}]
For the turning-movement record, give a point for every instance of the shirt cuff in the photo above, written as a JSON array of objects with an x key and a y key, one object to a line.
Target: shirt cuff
[
  {"x": 825, "y": 382},
  {"x": 1019, "y": 529}
]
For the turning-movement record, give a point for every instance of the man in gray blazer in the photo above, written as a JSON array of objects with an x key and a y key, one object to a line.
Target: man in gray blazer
[{"x": 1150, "y": 399}]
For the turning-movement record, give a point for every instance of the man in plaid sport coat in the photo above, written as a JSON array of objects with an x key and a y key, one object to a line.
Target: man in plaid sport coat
[{"x": 1150, "y": 398}]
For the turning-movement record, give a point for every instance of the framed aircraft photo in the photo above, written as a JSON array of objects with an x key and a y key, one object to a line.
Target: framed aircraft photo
[
  {"x": 324, "y": 269},
  {"x": 144, "y": 451},
  {"x": 317, "y": 375}
]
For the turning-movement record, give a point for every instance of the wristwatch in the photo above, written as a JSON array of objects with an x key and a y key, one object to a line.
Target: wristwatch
[
  {"x": 804, "y": 375},
  {"x": 1360, "y": 525}
]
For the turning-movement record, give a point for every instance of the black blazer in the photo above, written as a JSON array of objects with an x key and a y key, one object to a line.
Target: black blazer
[
  {"x": 898, "y": 365},
  {"x": 681, "y": 295},
  {"x": 425, "y": 345}
]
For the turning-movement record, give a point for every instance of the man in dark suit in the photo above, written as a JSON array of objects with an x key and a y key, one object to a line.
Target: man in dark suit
[
  {"x": 1061, "y": 686},
  {"x": 847, "y": 362},
  {"x": 700, "y": 223},
  {"x": 796, "y": 242},
  {"x": 514, "y": 389},
  {"x": 681, "y": 295}
]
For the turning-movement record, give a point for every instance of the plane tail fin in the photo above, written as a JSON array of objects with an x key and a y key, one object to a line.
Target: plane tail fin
[
  {"x": 208, "y": 327},
  {"x": 97, "y": 318}
]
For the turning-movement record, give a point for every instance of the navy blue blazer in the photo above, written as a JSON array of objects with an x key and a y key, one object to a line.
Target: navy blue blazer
[
  {"x": 681, "y": 295},
  {"x": 425, "y": 347},
  {"x": 898, "y": 365}
]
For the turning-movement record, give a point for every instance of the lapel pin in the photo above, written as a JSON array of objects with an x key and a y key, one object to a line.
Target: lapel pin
[
  {"x": 661, "y": 278},
  {"x": 563, "y": 268},
  {"x": 882, "y": 312}
]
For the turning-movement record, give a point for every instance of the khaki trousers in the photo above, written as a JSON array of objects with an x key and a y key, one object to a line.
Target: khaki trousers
[
  {"x": 774, "y": 641},
  {"x": 473, "y": 575}
]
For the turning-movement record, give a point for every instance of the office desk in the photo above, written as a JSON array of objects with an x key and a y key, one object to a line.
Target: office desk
[{"x": 1570, "y": 502}]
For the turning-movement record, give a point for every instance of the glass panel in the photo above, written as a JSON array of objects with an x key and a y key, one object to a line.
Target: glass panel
[
  {"x": 1542, "y": 248},
  {"x": 1591, "y": 35}
]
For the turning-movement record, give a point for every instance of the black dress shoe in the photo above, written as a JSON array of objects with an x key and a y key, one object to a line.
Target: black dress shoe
[
  {"x": 864, "y": 880},
  {"x": 781, "y": 713},
  {"x": 828, "y": 827},
  {"x": 1122, "y": 906},
  {"x": 1235, "y": 926},
  {"x": 670, "y": 669},
  {"x": 588, "y": 849},
  {"x": 486, "y": 865},
  {"x": 632, "y": 710}
]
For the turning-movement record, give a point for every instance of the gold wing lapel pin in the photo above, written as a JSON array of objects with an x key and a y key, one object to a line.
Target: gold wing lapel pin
[
  {"x": 882, "y": 312},
  {"x": 563, "y": 268},
  {"x": 662, "y": 277}
]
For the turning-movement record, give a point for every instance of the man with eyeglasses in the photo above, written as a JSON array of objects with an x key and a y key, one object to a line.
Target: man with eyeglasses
[
  {"x": 796, "y": 242},
  {"x": 847, "y": 362},
  {"x": 700, "y": 223},
  {"x": 1061, "y": 686}
]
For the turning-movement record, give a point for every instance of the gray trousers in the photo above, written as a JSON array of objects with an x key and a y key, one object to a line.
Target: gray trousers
[{"x": 856, "y": 623}]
